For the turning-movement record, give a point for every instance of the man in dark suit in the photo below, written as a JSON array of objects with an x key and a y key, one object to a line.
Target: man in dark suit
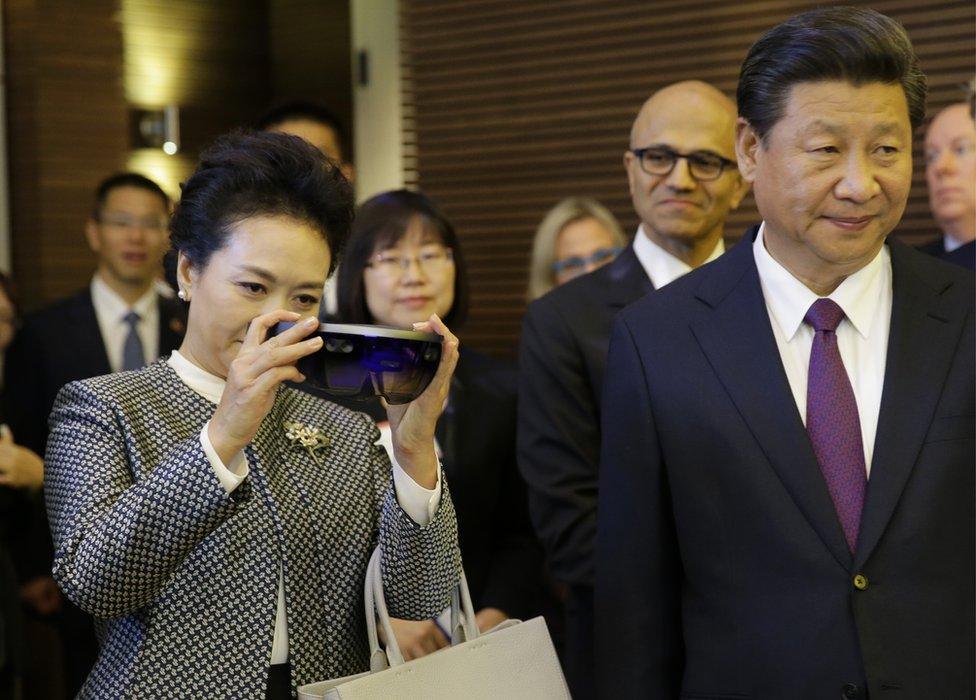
[
  {"x": 950, "y": 169},
  {"x": 787, "y": 491},
  {"x": 120, "y": 321},
  {"x": 683, "y": 183},
  {"x": 321, "y": 128}
]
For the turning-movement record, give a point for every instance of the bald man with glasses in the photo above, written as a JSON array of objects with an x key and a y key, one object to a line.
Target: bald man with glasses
[{"x": 683, "y": 182}]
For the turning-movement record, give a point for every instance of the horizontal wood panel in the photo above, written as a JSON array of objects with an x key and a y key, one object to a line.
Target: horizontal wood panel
[
  {"x": 74, "y": 70},
  {"x": 510, "y": 107}
]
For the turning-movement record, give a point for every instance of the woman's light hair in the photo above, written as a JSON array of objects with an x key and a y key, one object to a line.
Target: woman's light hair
[
  {"x": 541, "y": 277},
  {"x": 971, "y": 97}
]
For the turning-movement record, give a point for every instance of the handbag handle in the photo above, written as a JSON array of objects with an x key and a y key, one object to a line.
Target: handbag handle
[{"x": 463, "y": 625}]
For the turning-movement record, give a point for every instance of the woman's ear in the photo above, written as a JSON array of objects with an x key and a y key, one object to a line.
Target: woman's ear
[{"x": 186, "y": 275}]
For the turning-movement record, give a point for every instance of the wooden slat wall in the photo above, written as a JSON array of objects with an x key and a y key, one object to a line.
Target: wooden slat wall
[
  {"x": 66, "y": 127},
  {"x": 311, "y": 55},
  {"x": 73, "y": 71},
  {"x": 510, "y": 106},
  {"x": 209, "y": 58}
]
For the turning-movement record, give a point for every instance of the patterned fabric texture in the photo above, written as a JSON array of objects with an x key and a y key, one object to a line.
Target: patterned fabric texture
[{"x": 182, "y": 578}]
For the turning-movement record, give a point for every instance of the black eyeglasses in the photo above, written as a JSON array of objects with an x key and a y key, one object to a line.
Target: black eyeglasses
[
  {"x": 576, "y": 265},
  {"x": 660, "y": 160}
]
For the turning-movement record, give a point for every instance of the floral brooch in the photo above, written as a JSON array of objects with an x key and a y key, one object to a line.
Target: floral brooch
[{"x": 303, "y": 436}]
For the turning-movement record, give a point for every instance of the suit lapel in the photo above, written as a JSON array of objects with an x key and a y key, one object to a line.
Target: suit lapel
[
  {"x": 627, "y": 281},
  {"x": 88, "y": 350},
  {"x": 924, "y": 333},
  {"x": 736, "y": 337}
]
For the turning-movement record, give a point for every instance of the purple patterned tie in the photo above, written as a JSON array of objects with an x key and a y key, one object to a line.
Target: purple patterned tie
[{"x": 832, "y": 420}]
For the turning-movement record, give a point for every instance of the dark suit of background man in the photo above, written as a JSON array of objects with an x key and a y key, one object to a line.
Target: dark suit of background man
[
  {"x": 950, "y": 169},
  {"x": 683, "y": 182},
  {"x": 786, "y": 491},
  {"x": 89, "y": 334}
]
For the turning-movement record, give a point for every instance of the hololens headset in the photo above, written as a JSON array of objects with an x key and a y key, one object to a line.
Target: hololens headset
[{"x": 360, "y": 361}]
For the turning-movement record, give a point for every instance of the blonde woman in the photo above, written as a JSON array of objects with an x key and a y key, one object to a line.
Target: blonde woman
[{"x": 577, "y": 236}]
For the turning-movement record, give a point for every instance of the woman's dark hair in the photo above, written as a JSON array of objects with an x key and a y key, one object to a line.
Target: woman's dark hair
[
  {"x": 248, "y": 174},
  {"x": 380, "y": 223},
  {"x": 852, "y": 44}
]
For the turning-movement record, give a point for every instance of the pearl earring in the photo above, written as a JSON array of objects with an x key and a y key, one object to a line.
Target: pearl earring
[{"x": 181, "y": 294}]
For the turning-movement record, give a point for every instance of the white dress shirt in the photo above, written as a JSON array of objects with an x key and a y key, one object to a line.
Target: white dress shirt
[
  {"x": 862, "y": 336},
  {"x": 417, "y": 502},
  {"x": 111, "y": 310},
  {"x": 950, "y": 242},
  {"x": 661, "y": 267}
]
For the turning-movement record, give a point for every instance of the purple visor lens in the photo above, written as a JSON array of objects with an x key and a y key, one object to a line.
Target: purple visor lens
[{"x": 360, "y": 361}]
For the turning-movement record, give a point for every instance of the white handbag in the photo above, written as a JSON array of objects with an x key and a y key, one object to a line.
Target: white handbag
[{"x": 513, "y": 660}]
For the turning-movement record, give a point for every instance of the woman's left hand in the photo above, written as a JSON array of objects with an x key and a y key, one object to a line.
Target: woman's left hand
[{"x": 412, "y": 425}]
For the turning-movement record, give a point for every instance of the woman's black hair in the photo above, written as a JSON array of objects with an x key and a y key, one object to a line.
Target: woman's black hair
[
  {"x": 247, "y": 174},
  {"x": 380, "y": 223},
  {"x": 853, "y": 44}
]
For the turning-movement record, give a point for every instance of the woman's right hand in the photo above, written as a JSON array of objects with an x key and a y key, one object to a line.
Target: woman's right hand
[
  {"x": 253, "y": 378},
  {"x": 416, "y": 638}
]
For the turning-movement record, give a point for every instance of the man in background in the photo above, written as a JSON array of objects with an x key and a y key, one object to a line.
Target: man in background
[
  {"x": 683, "y": 183},
  {"x": 950, "y": 169},
  {"x": 322, "y": 129},
  {"x": 118, "y": 322},
  {"x": 315, "y": 124},
  {"x": 787, "y": 483}
]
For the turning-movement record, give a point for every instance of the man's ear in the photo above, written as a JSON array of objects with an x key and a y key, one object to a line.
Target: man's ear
[
  {"x": 741, "y": 190},
  {"x": 747, "y": 147},
  {"x": 91, "y": 235},
  {"x": 629, "y": 162}
]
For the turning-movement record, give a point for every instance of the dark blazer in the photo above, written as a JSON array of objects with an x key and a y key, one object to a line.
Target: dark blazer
[
  {"x": 60, "y": 344},
  {"x": 722, "y": 568},
  {"x": 57, "y": 345},
  {"x": 964, "y": 255},
  {"x": 562, "y": 363},
  {"x": 502, "y": 559},
  {"x": 14, "y": 505}
]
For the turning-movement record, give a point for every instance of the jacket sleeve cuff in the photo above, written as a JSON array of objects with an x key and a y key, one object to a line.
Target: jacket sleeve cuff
[
  {"x": 233, "y": 474},
  {"x": 417, "y": 502}
]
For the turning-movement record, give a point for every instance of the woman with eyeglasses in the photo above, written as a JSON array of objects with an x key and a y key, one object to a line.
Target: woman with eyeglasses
[
  {"x": 216, "y": 522},
  {"x": 576, "y": 236},
  {"x": 404, "y": 263}
]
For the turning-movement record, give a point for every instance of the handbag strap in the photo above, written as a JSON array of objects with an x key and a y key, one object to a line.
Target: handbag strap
[
  {"x": 376, "y": 607},
  {"x": 463, "y": 625}
]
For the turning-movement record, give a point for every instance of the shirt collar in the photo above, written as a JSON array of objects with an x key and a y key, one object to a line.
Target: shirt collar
[
  {"x": 209, "y": 386},
  {"x": 788, "y": 299},
  {"x": 115, "y": 307},
  {"x": 662, "y": 267},
  {"x": 951, "y": 243}
]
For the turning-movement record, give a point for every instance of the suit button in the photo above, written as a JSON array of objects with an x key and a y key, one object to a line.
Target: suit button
[
  {"x": 861, "y": 584},
  {"x": 851, "y": 691}
]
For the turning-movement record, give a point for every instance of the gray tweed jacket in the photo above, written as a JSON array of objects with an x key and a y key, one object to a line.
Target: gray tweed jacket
[{"x": 182, "y": 578}]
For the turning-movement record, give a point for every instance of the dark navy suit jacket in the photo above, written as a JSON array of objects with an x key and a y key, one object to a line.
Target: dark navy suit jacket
[
  {"x": 964, "y": 255},
  {"x": 562, "y": 363},
  {"x": 57, "y": 345},
  {"x": 722, "y": 569}
]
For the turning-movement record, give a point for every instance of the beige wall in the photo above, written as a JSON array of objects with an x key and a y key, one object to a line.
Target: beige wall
[{"x": 377, "y": 107}]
